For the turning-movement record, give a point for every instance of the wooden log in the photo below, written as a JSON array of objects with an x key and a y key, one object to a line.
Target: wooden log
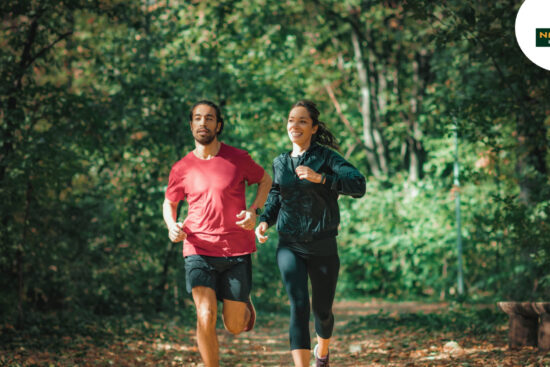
[
  {"x": 543, "y": 310},
  {"x": 523, "y": 323}
]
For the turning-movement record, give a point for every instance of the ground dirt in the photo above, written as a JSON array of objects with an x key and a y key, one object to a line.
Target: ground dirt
[{"x": 267, "y": 344}]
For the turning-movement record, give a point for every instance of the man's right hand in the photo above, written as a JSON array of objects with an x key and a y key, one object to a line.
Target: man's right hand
[
  {"x": 176, "y": 233},
  {"x": 260, "y": 232}
]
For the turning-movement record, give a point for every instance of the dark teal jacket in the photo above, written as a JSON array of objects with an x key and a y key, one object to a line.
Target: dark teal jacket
[{"x": 306, "y": 211}]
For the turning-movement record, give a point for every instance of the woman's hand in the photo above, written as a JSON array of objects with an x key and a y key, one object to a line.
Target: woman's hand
[
  {"x": 260, "y": 232},
  {"x": 306, "y": 173}
]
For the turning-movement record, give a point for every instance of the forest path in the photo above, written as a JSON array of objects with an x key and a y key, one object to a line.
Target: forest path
[
  {"x": 374, "y": 333},
  {"x": 370, "y": 334}
]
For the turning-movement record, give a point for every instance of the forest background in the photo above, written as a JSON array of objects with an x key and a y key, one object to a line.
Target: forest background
[{"x": 94, "y": 103}]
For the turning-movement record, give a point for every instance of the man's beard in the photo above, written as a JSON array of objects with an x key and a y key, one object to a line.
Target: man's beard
[{"x": 205, "y": 139}]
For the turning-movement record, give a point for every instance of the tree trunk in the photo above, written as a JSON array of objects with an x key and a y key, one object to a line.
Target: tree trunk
[
  {"x": 414, "y": 161},
  {"x": 14, "y": 114},
  {"x": 20, "y": 256},
  {"x": 11, "y": 114},
  {"x": 168, "y": 258},
  {"x": 365, "y": 105},
  {"x": 378, "y": 89},
  {"x": 163, "y": 284},
  {"x": 414, "y": 143},
  {"x": 532, "y": 149}
]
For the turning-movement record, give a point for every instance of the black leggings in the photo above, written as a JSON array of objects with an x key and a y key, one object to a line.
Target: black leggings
[{"x": 323, "y": 273}]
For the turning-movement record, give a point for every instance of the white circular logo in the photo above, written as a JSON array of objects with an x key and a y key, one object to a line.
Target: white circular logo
[{"x": 533, "y": 31}]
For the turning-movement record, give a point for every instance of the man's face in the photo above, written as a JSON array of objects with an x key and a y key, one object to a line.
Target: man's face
[{"x": 204, "y": 125}]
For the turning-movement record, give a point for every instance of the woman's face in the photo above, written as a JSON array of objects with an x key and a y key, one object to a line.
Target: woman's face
[{"x": 300, "y": 126}]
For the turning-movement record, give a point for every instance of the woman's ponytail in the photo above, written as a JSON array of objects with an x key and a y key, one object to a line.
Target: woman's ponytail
[{"x": 325, "y": 137}]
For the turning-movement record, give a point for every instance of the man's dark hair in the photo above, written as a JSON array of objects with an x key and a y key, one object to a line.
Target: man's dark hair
[{"x": 214, "y": 106}]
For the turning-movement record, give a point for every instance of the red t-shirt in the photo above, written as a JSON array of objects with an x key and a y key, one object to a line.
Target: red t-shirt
[{"x": 215, "y": 192}]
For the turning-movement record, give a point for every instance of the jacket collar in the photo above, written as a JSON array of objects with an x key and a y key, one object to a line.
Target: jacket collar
[{"x": 313, "y": 146}]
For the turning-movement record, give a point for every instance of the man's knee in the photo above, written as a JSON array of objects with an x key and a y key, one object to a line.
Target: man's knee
[
  {"x": 234, "y": 324},
  {"x": 206, "y": 316}
]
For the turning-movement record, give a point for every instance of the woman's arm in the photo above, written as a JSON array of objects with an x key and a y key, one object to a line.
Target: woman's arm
[{"x": 345, "y": 179}]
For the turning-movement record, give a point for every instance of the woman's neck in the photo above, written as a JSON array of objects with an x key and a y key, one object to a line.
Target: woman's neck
[
  {"x": 300, "y": 149},
  {"x": 208, "y": 151}
]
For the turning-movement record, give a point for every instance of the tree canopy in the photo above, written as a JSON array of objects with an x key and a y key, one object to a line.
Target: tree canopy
[{"x": 94, "y": 98}]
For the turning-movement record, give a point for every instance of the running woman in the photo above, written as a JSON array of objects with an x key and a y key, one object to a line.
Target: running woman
[{"x": 303, "y": 203}]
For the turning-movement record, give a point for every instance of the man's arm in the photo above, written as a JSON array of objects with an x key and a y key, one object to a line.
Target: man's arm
[
  {"x": 261, "y": 194},
  {"x": 170, "y": 213},
  {"x": 248, "y": 217}
]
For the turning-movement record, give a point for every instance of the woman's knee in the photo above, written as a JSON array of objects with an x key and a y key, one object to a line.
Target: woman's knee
[
  {"x": 325, "y": 316},
  {"x": 322, "y": 312},
  {"x": 300, "y": 307}
]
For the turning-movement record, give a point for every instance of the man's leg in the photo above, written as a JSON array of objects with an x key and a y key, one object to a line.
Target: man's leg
[
  {"x": 235, "y": 316},
  {"x": 207, "y": 308},
  {"x": 235, "y": 285}
]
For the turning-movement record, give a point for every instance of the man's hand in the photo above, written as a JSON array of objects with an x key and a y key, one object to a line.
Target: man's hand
[
  {"x": 248, "y": 219},
  {"x": 176, "y": 233},
  {"x": 260, "y": 232},
  {"x": 306, "y": 173}
]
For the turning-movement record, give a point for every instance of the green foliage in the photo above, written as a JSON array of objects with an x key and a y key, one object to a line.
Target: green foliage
[
  {"x": 267, "y": 284},
  {"x": 409, "y": 250},
  {"x": 94, "y": 98},
  {"x": 466, "y": 321}
]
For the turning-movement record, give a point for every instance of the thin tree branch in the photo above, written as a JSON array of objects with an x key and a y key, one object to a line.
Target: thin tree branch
[
  {"x": 344, "y": 119},
  {"x": 47, "y": 48},
  {"x": 350, "y": 150}
]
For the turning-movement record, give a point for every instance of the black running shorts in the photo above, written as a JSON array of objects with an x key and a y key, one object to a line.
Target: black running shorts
[{"x": 229, "y": 277}]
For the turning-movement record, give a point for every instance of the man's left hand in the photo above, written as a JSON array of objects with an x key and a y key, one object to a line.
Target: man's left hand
[{"x": 247, "y": 219}]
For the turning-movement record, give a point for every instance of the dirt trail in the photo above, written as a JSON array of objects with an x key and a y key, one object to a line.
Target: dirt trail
[
  {"x": 267, "y": 345},
  {"x": 354, "y": 344}
]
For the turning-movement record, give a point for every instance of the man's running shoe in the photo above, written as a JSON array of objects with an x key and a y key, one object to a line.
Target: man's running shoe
[{"x": 252, "y": 319}]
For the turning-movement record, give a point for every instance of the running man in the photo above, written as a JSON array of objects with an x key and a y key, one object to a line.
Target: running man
[{"x": 218, "y": 232}]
